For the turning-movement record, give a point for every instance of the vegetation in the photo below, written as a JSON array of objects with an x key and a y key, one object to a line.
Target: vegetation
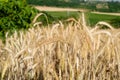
[
  {"x": 91, "y": 5},
  {"x": 15, "y": 15},
  {"x": 91, "y": 18},
  {"x": 62, "y": 52},
  {"x": 64, "y": 15},
  {"x": 68, "y": 49},
  {"x": 52, "y": 3},
  {"x": 116, "y": 22},
  {"x": 114, "y": 6}
]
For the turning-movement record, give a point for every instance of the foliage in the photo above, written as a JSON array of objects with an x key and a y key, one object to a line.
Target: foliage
[
  {"x": 53, "y": 3},
  {"x": 15, "y": 15},
  {"x": 115, "y": 6}
]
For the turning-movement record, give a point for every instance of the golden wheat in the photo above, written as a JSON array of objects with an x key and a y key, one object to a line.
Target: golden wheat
[{"x": 62, "y": 52}]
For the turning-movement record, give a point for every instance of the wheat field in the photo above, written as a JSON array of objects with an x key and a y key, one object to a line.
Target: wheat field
[{"x": 70, "y": 51}]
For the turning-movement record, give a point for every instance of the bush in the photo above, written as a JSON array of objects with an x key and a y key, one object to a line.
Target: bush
[{"x": 15, "y": 15}]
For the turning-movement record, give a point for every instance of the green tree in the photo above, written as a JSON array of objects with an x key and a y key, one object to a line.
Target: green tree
[{"x": 15, "y": 15}]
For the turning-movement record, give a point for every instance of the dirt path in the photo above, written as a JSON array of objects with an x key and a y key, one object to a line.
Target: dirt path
[
  {"x": 45, "y": 8},
  {"x": 115, "y": 14}
]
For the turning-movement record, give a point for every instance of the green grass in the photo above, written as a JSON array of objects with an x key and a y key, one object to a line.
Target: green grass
[
  {"x": 54, "y": 16},
  {"x": 63, "y": 15},
  {"x": 91, "y": 18}
]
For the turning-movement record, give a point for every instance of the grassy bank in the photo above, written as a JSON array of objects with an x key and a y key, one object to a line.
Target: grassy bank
[
  {"x": 64, "y": 15},
  {"x": 91, "y": 18}
]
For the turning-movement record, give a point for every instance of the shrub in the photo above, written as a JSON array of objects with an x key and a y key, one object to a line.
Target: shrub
[{"x": 15, "y": 15}]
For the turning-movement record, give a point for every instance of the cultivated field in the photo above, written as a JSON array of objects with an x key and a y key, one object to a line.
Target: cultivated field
[{"x": 71, "y": 51}]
